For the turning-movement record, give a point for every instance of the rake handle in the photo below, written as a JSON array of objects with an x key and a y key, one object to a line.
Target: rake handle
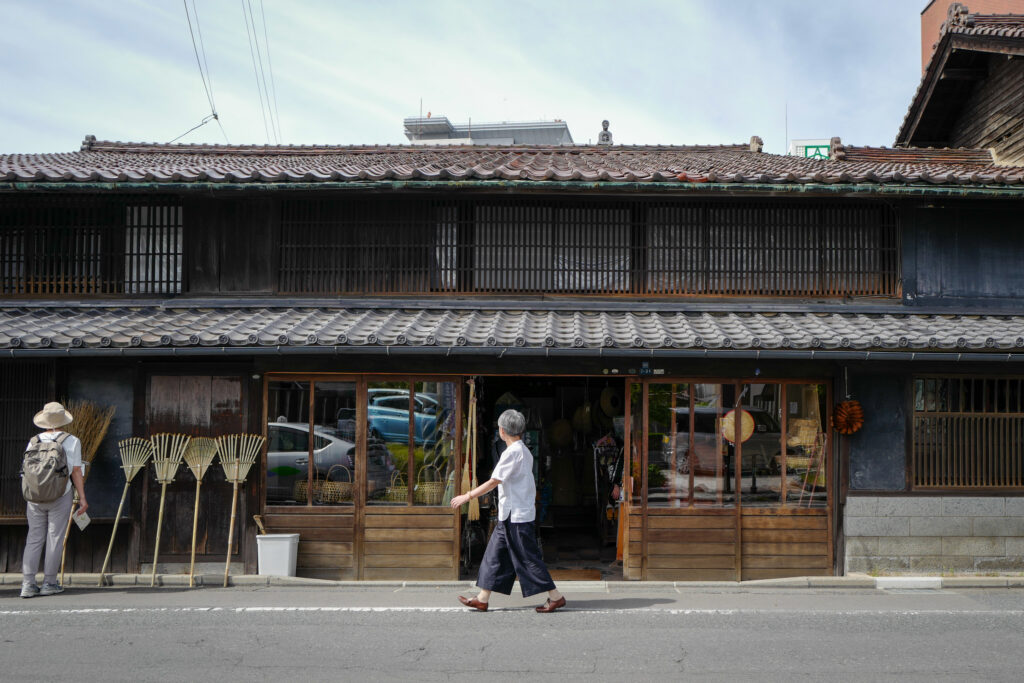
[
  {"x": 159, "y": 525},
  {"x": 67, "y": 532},
  {"x": 113, "y": 534},
  {"x": 231, "y": 531},
  {"x": 195, "y": 527}
]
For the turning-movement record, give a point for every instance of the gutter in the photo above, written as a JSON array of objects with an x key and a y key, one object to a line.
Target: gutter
[
  {"x": 535, "y": 186},
  {"x": 500, "y": 352}
]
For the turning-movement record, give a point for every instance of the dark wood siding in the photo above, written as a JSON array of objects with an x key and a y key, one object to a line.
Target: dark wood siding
[{"x": 993, "y": 115}]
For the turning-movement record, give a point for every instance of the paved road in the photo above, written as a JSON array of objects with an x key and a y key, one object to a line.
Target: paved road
[{"x": 276, "y": 634}]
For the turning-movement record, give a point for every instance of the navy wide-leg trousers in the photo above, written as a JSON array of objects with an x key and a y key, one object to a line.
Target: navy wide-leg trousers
[{"x": 513, "y": 551}]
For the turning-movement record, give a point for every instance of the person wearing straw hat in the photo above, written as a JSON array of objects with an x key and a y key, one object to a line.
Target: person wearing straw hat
[
  {"x": 512, "y": 549},
  {"x": 48, "y": 521}
]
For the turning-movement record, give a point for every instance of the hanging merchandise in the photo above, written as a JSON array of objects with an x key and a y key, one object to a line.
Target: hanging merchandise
[
  {"x": 848, "y": 415},
  {"x": 611, "y": 402},
  {"x": 168, "y": 450},
  {"x": 602, "y": 420},
  {"x": 469, "y": 467},
  {"x": 135, "y": 453},
  {"x": 198, "y": 456},
  {"x": 238, "y": 453},
  {"x": 560, "y": 433},
  {"x": 581, "y": 421},
  {"x": 90, "y": 426}
]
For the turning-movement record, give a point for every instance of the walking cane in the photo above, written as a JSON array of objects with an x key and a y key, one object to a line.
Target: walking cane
[
  {"x": 135, "y": 453},
  {"x": 167, "y": 452},
  {"x": 198, "y": 457},
  {"x": 238, "y": 453}
]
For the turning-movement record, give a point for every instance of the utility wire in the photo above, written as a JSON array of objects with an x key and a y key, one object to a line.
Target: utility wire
[
  {"x": 270, "y": 64},
  {"x": 209, "y": 77},
  {"x": 206, "y": 120},
  {"x": 263, "y": 75},
  {"x": 205, "y": 76},
  {"x": 259, "y": 91}
]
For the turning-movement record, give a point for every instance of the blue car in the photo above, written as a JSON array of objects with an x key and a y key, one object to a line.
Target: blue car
[{"x": 388, "y": 414}]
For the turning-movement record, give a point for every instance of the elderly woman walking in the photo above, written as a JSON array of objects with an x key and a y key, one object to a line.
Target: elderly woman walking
[{"x": 512, "y": 550}]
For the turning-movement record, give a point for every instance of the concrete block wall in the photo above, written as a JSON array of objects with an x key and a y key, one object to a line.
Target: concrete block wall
[{"x": 934, "y": 534}]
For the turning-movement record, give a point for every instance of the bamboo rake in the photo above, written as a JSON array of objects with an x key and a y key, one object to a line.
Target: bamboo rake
[
  {"x": 238, "y": 453},
  {"x": 168, "y": 450},
  {"x": 135, "y": 453},
  {"x": 198, "y": 456},
  {"x": 89, "y": 427}
]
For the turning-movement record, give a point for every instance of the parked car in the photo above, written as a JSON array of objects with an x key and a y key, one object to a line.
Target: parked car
[
  {"x": 759, "y": 451},
  {"x": 287, "y": 459},
  {"x": 388, "y": 414}
]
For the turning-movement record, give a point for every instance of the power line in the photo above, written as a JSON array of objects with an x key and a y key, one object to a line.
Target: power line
[
  {"x": 263, "y": 75},
  {"x": 259, "y": 91},
  {"x": 270, "y": 65},
  {"x": 205, "y": 76}
]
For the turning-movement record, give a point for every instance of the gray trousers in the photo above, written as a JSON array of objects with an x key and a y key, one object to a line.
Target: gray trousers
[{"x": 46, "y": 524}]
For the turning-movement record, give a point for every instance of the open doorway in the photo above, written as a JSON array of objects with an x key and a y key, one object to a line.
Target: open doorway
[{"x": 575, "y": 432}]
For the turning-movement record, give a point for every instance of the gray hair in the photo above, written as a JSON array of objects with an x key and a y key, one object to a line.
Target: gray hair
[{"x": 513, "y": 422}]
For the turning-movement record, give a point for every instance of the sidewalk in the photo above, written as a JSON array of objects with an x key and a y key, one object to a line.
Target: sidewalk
[{"x": 12, "y": 580}]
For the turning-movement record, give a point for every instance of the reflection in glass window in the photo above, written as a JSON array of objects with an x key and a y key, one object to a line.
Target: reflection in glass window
[
  {"x": 761, "y": 476},
  {"x": 434, "y": 425},
  {"x": 287, "y": 443},
  {"x": 806, "y": 446},
  {"x": 388, "y": 447},
  {"x": 712, "y": 455},
  {"x": 668, "y": 445},
  {"x": 334, "y": 444}
]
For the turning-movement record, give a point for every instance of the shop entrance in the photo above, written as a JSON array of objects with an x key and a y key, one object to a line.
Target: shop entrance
[{"x": 575, "y": 430}]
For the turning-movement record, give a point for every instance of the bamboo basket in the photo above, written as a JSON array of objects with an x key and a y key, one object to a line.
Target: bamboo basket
[
  {"x": 336, "y": 491},
  {"x": 428, "y": 492},
  {"x": 398, "y": 492}
]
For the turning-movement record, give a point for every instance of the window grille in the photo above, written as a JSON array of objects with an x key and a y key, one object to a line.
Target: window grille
[
  {"x": 638, "y": 248},
  {"x": 968, "y": 432},
  {"x": 90, "y": 247},
  {"x": 28, "y": 385}
]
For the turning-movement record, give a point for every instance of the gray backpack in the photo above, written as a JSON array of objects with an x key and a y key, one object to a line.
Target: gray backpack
[{"x": 44, "y": 471}]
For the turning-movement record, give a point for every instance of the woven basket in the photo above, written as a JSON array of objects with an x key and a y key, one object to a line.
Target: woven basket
[
  {"x": 334, "y": 491},
  {"x": 299, "y": 490},
  {"x": 398, "y": 492},
  {"x": 428, "y": 492}
]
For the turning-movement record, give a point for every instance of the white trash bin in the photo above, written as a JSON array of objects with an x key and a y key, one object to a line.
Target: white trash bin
[{"x": 276, "y": 554}]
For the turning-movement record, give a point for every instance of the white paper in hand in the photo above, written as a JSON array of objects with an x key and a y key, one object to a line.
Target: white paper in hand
[{"x": 82, "y": 520}]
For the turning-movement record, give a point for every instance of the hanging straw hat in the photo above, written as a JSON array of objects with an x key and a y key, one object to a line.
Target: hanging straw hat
[{"x": 51, "y": 416}]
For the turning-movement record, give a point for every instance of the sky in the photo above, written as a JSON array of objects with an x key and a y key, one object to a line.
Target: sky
[{"x": 348, "y": 72}]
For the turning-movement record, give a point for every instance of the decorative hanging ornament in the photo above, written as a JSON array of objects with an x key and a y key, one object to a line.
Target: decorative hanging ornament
[{"x": 848, "y": 417}]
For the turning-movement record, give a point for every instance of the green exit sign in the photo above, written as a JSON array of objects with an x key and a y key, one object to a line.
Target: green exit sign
[{"x": 816, "y": 151}]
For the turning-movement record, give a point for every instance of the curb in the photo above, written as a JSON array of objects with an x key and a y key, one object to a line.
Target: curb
[{"x": 798, "y": 582}]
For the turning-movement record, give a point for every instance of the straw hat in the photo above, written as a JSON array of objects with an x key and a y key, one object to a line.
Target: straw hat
[{"x": 51, "y": 416}]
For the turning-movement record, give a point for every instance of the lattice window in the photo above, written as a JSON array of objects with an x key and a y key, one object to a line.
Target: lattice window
[
  {"x": 28, "y": 385},
  {"x": 639, "y": 248},
  {"x": 968, "y": 433},
  {"x": 90, "y": 246}
]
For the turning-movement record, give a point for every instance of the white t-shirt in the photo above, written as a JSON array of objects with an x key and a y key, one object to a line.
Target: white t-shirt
[
  {"x": 72, "y": 451},
  {"x": 517, "y": 492}
]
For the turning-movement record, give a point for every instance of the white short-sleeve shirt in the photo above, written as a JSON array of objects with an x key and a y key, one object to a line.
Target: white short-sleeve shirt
[
  {"x": 72, "y": 451},
  {"x": 517, "y": 492}
]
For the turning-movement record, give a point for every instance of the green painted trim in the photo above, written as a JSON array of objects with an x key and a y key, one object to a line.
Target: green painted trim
[{"x": 533, "y": 186}]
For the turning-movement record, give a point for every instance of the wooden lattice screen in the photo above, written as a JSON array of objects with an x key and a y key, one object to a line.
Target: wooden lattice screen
[
  {"x": 968, "y": 433},
  {"x": 87, "y": 246},
  {"x": 709, "y": 248},
  {"x": 27, "y": 386}
]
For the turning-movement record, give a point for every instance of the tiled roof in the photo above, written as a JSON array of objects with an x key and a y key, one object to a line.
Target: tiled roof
[
  {"x": 931, "y": 156},
  {"x": 158, "y": 163},
  {"x": 972, "y": 28},
  {"x": 244, "y": 327}
]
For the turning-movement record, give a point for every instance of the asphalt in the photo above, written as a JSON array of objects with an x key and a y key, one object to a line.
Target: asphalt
[{"x": 11, "y": 580}]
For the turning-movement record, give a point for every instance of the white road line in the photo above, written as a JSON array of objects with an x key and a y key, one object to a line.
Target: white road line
[{"x": 508, "y": 610}]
